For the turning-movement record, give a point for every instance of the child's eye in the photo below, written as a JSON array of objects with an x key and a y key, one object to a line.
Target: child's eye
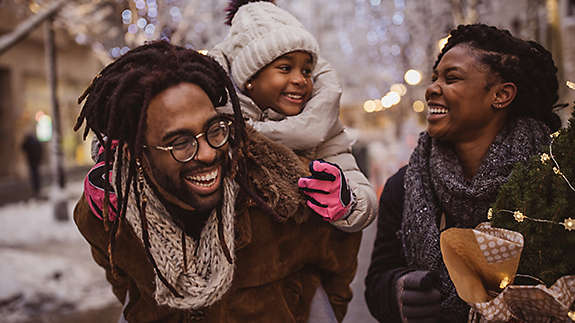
[
  {"x": 284, "y": 68},
  {"x": 306, "y": 72}
]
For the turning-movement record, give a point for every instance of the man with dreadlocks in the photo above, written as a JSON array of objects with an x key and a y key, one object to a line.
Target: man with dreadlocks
[{"x": 199, "y": 217}]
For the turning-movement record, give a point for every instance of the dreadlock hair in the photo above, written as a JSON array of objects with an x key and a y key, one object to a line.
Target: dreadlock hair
[
  {"x": 527, "y": 64},
  {"x": 116, "y": 104}
]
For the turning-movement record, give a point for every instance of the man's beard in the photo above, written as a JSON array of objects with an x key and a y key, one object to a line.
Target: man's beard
[{"x": 179, "y": 189}]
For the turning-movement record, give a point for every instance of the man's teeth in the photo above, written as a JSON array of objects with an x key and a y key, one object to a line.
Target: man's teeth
[
  {"x": 437, "y": 110},
  {"x": 294, "y": 96},
  {"x": 205, "y": 179}
]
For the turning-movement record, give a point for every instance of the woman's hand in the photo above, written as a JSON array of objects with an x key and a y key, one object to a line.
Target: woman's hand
[{"x": 418, "y": 299}]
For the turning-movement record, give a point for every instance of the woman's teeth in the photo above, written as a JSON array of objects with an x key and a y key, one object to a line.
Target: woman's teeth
[
  {"x": 436, "y": 110},
  {"x": 203, "y": 180}
]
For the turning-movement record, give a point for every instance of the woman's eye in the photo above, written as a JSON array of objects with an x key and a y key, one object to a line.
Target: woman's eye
[{"x": 451, "y": 78}]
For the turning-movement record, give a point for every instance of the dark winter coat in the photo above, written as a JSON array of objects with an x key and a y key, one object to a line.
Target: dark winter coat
[
  {"x": 278, "y": 265},
  {"x": 387, "y": 260}
]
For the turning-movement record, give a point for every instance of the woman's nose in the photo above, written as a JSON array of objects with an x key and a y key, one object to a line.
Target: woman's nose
[{"x": 432, "y": 90}]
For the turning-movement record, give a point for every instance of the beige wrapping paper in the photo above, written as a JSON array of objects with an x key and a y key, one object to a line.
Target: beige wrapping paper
[{"x": 483, "y": 260}]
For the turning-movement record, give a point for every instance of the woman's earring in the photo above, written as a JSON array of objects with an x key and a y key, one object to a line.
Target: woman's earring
[
  {"x": 497, "y": 105},
  {"x": 249, "y": 86}
]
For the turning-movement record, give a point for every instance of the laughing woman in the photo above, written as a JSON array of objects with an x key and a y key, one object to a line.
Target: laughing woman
[{"x": 489, "y": 106}]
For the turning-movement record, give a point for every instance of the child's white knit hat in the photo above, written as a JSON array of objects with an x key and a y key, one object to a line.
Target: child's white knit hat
[{"x": 260, "y": 33}]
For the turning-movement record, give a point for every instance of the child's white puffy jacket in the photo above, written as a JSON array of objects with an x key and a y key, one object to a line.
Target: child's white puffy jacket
[{"x": 315, "y": 133}]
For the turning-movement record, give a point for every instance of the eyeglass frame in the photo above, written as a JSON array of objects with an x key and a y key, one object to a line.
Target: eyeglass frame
[{"x": 228, "y": 123}]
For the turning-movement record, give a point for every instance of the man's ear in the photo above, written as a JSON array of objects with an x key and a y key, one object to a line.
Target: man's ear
[{"x": 504, "y": 94}]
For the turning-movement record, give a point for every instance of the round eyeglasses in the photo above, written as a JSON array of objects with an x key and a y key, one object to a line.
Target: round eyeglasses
[{"x": 185, "y": 148}]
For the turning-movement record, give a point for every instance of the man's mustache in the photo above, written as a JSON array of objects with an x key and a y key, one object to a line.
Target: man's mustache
[{"x": 199, "y": 165}]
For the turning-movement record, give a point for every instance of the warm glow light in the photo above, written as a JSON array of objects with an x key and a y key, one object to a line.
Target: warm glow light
[
  {"x": 399, "y": 88},
  {"x": 418, "y": 106},
  {"x": 394, "y": 97},
  {"x": 386, "y": 102},
  {"x": 504, "y": 282},
  {"x": 44, "y": 128},
  {"x": 38, "y": 115},
  {"x": 412, "y": 77},
  {"x": 390, "y": 99},
  {"x": 34, "y": 7},
  {"x": 442, "y": 42},
  {"x": 369, "y": 106},
  {"x": 203, "y": 51},
  {"x": 570, "y": 85},
  {"x": 378, "y": 105}
]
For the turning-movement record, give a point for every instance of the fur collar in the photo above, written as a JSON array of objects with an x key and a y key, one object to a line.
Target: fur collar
[{"x": 274, "y": 171}]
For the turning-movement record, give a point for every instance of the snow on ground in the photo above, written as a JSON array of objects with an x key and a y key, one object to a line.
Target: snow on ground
[{"x": 46, "y": 264}]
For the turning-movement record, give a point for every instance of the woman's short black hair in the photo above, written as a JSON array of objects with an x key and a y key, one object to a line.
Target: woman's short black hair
[{"x": 525, "y": 63}]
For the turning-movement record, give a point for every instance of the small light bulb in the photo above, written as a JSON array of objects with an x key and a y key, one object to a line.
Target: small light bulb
[{"x": 504, "y": 282}]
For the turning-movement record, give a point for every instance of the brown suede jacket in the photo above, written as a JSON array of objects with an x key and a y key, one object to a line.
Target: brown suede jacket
[{"x": 279, "y": 264}]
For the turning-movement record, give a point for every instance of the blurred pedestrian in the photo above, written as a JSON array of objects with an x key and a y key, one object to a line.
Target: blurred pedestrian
[
  {"x": 33, "y": 151},
  {"x": 209, "y": 223},
  {"x": 274, "y": 62},
  {"x": 490, "y": 105}
]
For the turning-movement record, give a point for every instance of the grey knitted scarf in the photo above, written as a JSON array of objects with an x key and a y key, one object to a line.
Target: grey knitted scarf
[{"x": 435, "y": 184}]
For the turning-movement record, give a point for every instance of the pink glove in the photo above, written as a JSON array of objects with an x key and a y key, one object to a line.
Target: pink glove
[
  {"x": 94, "y": 185},
  {"x": 327, "y": 191}
]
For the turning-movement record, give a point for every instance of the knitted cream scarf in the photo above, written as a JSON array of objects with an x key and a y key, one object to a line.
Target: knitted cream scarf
[{"x": 209, "y": 274}]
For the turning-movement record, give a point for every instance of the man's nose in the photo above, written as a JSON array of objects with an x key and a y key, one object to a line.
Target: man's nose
[{"x": 206, "y": 154}]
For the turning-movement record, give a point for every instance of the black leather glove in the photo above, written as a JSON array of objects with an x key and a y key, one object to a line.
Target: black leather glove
[{"x": 418, "y": 298}]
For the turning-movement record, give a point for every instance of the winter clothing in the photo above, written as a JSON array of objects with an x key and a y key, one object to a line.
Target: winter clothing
[
  {"x": 435, "y": 187},
  {"x": 32, "y": 148},
  {"x": 275, "y": 268},
  {"x": 315, "y": 133},
  {"x": 260, "y": 33},
  {"x": 327, "y": 191},
  {"x": 418, "y": 298}
]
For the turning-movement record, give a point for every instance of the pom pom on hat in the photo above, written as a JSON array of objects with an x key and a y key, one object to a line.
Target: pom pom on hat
[
  {"x": 261, "y": 32},
  {"x": 235, "y": 5}
]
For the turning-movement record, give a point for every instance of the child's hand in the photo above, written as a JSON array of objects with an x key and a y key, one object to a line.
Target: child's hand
[{"x": 327, "y": 191}]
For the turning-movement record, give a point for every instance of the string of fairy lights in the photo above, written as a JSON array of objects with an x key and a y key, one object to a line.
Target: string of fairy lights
[{"x": 568, "y": 223}]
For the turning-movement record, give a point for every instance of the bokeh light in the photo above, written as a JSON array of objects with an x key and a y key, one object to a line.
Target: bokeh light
[
  {"x": 418, "y": 106},
  {"x": 412, "y": 77}
]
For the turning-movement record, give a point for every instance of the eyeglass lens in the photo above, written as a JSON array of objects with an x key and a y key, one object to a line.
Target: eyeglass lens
[{"x": 217, "y": 135}]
